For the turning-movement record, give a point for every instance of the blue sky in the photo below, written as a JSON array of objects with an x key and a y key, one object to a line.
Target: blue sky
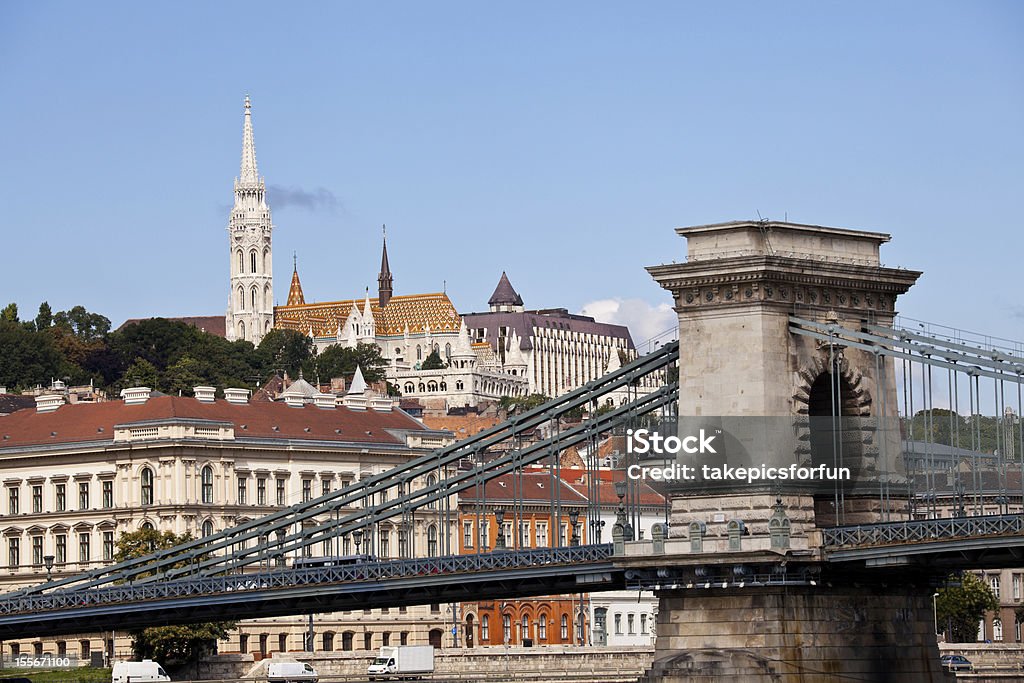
[{"x": 561, "y": 142}]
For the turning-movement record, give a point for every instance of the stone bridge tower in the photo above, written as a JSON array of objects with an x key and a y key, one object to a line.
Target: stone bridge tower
[{"x": 745, "y": 591}]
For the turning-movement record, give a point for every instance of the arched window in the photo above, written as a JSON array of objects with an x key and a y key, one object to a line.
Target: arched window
[
  {"x": 458, "y": 385},
  {"x": 252, "y": 260},
  {"x": 419, "y": 352},
  {"x": 542, "y": 627},
  {"x": 207, "y": 528},
  {"x": 565, "y": 627},
  {"x": 207, "y": 481},
  {"x": 328, "y": 642},
  {"x": 506, "y": 628},
  {"x": 241, "y": 299},
  {"x": 254, "y": 296},
  {"x": 432, "y": 540},
  {"x": 485, "y": 629},
  {"x": 431, "y": 482},
  {"x": 447, "y": 350},
  {"x": 443, "y": 386},
  {"x": 147, "y": 526},
  {"x": 241, "y": 329},
  {"x": 266, "y": 260},
  {"x": 524, "y": 627},
  {"x": 423, "y": 387},
  {"x": 997, "y": 630},
  {"x": 147, "y": 486},
  {"x": 431, "y": 386},
  {"x": 409, "y": 387},
  {"x": 241, "y": 263}
]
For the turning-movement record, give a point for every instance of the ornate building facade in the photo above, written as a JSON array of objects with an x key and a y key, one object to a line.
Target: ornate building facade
[
  {"x": 77, "y": 476},
  {"x": 562, "y": 351}
]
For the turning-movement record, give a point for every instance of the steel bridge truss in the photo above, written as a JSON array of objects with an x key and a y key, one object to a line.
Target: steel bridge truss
[{"x": 263, "y": 543}]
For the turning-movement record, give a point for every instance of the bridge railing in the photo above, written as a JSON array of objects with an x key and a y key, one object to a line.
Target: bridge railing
[
  {"x": 382, "y": 570},
  {"x": 922, "y": 531}
]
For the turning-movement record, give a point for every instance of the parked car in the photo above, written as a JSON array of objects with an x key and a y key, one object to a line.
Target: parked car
[
  {"x": 956, "y": 663},
  {"x": 138, "y": 672}
]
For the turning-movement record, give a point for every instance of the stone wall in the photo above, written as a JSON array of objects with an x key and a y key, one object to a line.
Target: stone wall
[{"x": 496, "y": 660}]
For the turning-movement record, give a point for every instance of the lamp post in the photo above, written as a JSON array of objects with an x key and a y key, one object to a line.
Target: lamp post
[
  {"x": 935, "y": 612},
  {"x": 357, "y": 536},
  {"x": 574, "y": 518},
  {"x": 48, "y": 561},
  {"x": 499, "y": 518}
]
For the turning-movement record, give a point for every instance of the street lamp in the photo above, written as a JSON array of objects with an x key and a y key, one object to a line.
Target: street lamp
[
  {"x": 48, "y": 561},
  {"x": 357, "y": 536},
  {"x": 574, "y": 517},
  {"x": 499, "y": 518}
]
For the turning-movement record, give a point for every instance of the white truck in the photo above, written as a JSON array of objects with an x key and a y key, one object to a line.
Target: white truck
[
  {"x": 291, "y": 672},
  {"x": 138, "y": 672},
  {"x": 404, "y": 661}
]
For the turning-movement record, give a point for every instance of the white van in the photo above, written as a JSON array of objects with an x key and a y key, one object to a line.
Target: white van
[
  {"x": 138, "y": 672},
  {"x": 291, "y": 672}
]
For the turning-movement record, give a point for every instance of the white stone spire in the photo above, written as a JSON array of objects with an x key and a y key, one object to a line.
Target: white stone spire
[
  {"x": 250, "y": 313},
  {"x": 358, "y": 383},
  {"x": 249, "y": 175}
]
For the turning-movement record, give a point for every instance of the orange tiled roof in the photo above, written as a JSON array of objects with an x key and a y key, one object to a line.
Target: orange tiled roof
[
  {"x": 413, "y": 310},
  {"x": 463, "y": 426}
]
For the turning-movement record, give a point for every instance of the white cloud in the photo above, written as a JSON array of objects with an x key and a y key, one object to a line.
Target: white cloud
[{"x": 643, "y": 320}]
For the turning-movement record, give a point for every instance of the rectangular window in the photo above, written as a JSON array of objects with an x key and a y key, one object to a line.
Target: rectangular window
[
  {"x": 37, "y": 550},
  {"x": 83, "y": 495},
  {"x": 993, "y": 582},
  {"x": 643, "y": 624},
  {"x": 13, "y": 552},
  {"x": 325, "y": 487},
  {"x": 542, "y": 534},
  {"x": 618, "y": 624},
  {"x": 524, "y": 534},
  {"x": 83, "y": 547},
  {"x": 1016, "y": 586},
  {"x": 307, "y": 490},
  {"x": 484, "y": 540},
  {"x": 261, "y": 491},
  {"x": 506, "y": 530},
  {"x": 12, "y": 500},
  {"x": 563, "y": 535},
  {"x": 108, "y": 545},
  {"x": 62, "y": 497},
  {"x": 280, "y": 491},
  {"x": 61, "y": 547},
  {"x": 385, "y": 543},
  {"x": 629, "y": 623},
  {"x": 467, "y": 534},
  {"x": 37, "y": 498},
  {"x": 241, "y": 490},
  {"x": 108, "y": 494}
]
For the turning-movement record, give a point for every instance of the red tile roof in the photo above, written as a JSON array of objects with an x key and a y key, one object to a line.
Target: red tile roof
[
  {"x": 536, "y": 488},
  {"x": 94, "y": 422}
]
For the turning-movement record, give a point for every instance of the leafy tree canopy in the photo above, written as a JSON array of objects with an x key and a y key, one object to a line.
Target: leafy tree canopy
[
  {"x": 958, "y": 609},
  {"x": 168, "y": 645},
  {"x": 433, "y": 362},
  {"x": 339, "y": 361},
  {"x": 285, "y": 350}
]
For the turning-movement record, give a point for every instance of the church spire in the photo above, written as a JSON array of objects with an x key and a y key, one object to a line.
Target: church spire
[
  {"x": 384, "y": 280},
  {"x": 249, "y": 174},
  {"x": 295, "y": 297}
]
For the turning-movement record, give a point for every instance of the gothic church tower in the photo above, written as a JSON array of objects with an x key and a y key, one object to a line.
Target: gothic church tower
[{"x": 250, "y": 312}]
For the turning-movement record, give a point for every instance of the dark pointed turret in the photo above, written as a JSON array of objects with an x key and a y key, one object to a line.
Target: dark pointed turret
[
  {"x": 384, "y": 280},
  {"x": 505, "y": 297}
]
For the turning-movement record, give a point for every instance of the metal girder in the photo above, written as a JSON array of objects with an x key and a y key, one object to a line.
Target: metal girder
[
  {"x": 890, "y": 343},
  {"x": 196, "y": 553}
]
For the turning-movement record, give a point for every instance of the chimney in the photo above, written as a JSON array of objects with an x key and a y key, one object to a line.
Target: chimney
[
  {"x": 134, "y": 396},
  {"x": 205, "y": 394},
  {"x": 381, "y": 404},
  {"x": 47, "y": 403},
  {"x": 294, "y": 400},
  {"x": 237, "y": 396},
  {"x": 325, "y": 400}
]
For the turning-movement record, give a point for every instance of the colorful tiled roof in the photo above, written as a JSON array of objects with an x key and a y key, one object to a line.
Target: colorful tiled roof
[{"x": 416, "y": 311}]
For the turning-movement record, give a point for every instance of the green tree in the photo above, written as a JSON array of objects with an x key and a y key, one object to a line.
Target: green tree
[
  {"x": 958, "y": 609},
  {"x": 27, "y": 358},
  {"x": 517, "y": 404},
  {"x": 83, "y": 324},
  {"x": 170, "y": 645},
  {"x": 183, "y": 376},
  {"x": 433, "y": 362},
  {"x": 10, "y": 313},
  {"x": 45, "y": 317},
  {"x": 340, "y": 361},
  {"x": 141, "y": 373},
  {"x": 286, "y": 350}
]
